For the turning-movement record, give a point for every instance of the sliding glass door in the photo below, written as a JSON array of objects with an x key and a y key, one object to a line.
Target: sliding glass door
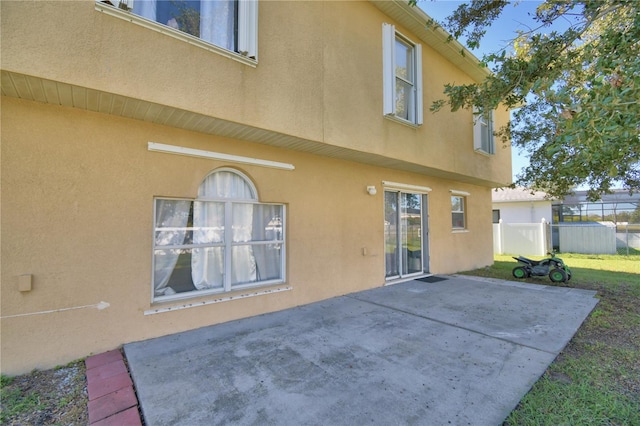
[{"x": 405, "y": 234}]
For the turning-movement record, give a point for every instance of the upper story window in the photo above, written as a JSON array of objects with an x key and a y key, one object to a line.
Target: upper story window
[
  {"x": 224, "y": 240},
  {"x": 228, "y": 24},
  {"x": 483, "y": 139},
  {"x": 402, "y": 76}
]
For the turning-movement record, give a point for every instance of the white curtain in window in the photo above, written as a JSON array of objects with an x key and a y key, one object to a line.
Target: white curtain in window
[
  {"x": 243, "y": 264},
  {"x": 267, "y": 225},
  {"x": 207, "y": 265},
  {"x": 145, "y": 8},
  {"x": 217, "y": 23},
  {"x": 171, "y": 222},
  {"x": 222, "y": 185}
]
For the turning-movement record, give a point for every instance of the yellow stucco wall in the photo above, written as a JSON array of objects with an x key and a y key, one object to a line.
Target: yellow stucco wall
[
  {"x": 78, "y": 186},
  {"x": 77, "y": 214},
  {"x": 319, "y": 76}
]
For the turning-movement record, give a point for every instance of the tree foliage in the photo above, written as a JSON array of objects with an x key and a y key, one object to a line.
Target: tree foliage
[{"x": 575, "y": 94}]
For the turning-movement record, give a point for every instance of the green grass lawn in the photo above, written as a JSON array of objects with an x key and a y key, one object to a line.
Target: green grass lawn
[{"x": 596, "y": 379}]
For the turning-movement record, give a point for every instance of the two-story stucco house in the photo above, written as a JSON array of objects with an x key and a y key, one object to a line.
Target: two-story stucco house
[{"x": 170, "y": 165}]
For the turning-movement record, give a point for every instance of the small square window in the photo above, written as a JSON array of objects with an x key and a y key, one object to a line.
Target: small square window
[{"x": 458, "y": 220}]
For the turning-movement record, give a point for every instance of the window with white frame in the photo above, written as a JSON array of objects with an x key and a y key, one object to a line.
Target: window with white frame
[
  {"x": 224, "y": 240},
  {"x": 229, "y": 24},
  {"x": 402, "y": 76},
  {"x": 458, "y": 219},
  {"x": 483, "y": 139}
]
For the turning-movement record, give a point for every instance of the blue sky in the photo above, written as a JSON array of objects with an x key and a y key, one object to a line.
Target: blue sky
[{"x": 498, "y": 37}]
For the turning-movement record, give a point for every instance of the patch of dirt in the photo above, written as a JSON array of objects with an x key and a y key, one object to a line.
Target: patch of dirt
[{"x": 49, "y": 397}]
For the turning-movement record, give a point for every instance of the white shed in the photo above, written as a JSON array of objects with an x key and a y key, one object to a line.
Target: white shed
[{"x": 520, "y": 205}]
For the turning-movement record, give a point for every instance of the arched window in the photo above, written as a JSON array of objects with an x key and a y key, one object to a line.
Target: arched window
[
  {"x": 227, "y": 184},
  {"x": 222, "y": 241}
]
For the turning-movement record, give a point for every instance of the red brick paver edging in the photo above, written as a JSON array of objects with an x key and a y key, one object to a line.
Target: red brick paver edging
[{"x": 112, "y": 400}]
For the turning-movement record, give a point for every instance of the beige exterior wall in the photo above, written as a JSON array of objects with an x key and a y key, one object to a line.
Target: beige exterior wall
[
  {"x": 78, "y": 186},
  {"x": 319, "y": 76}
]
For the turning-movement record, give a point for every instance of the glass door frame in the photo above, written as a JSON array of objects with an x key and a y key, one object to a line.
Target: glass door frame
[{"x": 400, "y": 267}]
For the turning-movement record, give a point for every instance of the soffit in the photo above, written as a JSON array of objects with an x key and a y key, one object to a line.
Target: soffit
[
  {"x": 415, "y": 19},
  {"x": 37, "y": 89}
]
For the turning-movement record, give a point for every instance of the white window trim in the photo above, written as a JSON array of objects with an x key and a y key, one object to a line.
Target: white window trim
[
  {"x": 463, "y": 195},
  {"x": 191, "y": 152},
  {"x": 389, "y": 35},
  {"x": 247, "y": 40},
  {"x": 248, "y": 36},
  {"x": 225, "y": 243},
  {"x": 406, "y": 187},
  {"x": 477, "y": 133},
  {"x": 218, "y": 300},
  {"x": 227, "y": 288}
]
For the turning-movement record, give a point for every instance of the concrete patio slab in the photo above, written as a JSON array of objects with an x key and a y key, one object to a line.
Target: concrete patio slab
[
  {"x": 545, "y": 320},
  {"x": 461, "y": 351}
]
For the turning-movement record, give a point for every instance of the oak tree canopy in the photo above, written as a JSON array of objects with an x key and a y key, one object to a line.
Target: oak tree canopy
[{"x": 574, "y": 94}]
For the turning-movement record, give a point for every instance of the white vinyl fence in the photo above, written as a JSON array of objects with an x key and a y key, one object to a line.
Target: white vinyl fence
[
  {"x": 536, "y": 239},
  {"x": 532, "y": 239}
]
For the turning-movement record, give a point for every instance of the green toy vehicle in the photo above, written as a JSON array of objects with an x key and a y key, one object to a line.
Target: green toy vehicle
[{"x": 552, "y": 266}]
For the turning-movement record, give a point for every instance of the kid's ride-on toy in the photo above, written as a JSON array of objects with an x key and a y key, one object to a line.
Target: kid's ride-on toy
[{"x": 553, "y": 266}]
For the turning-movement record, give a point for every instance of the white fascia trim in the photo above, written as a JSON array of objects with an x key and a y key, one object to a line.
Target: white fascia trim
[
  {"x": 191, "y": 152},
  {"x": 171, "y": 32},
  {"x": 414, "y": 188},
  {"x": 462, "y": 193}
]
